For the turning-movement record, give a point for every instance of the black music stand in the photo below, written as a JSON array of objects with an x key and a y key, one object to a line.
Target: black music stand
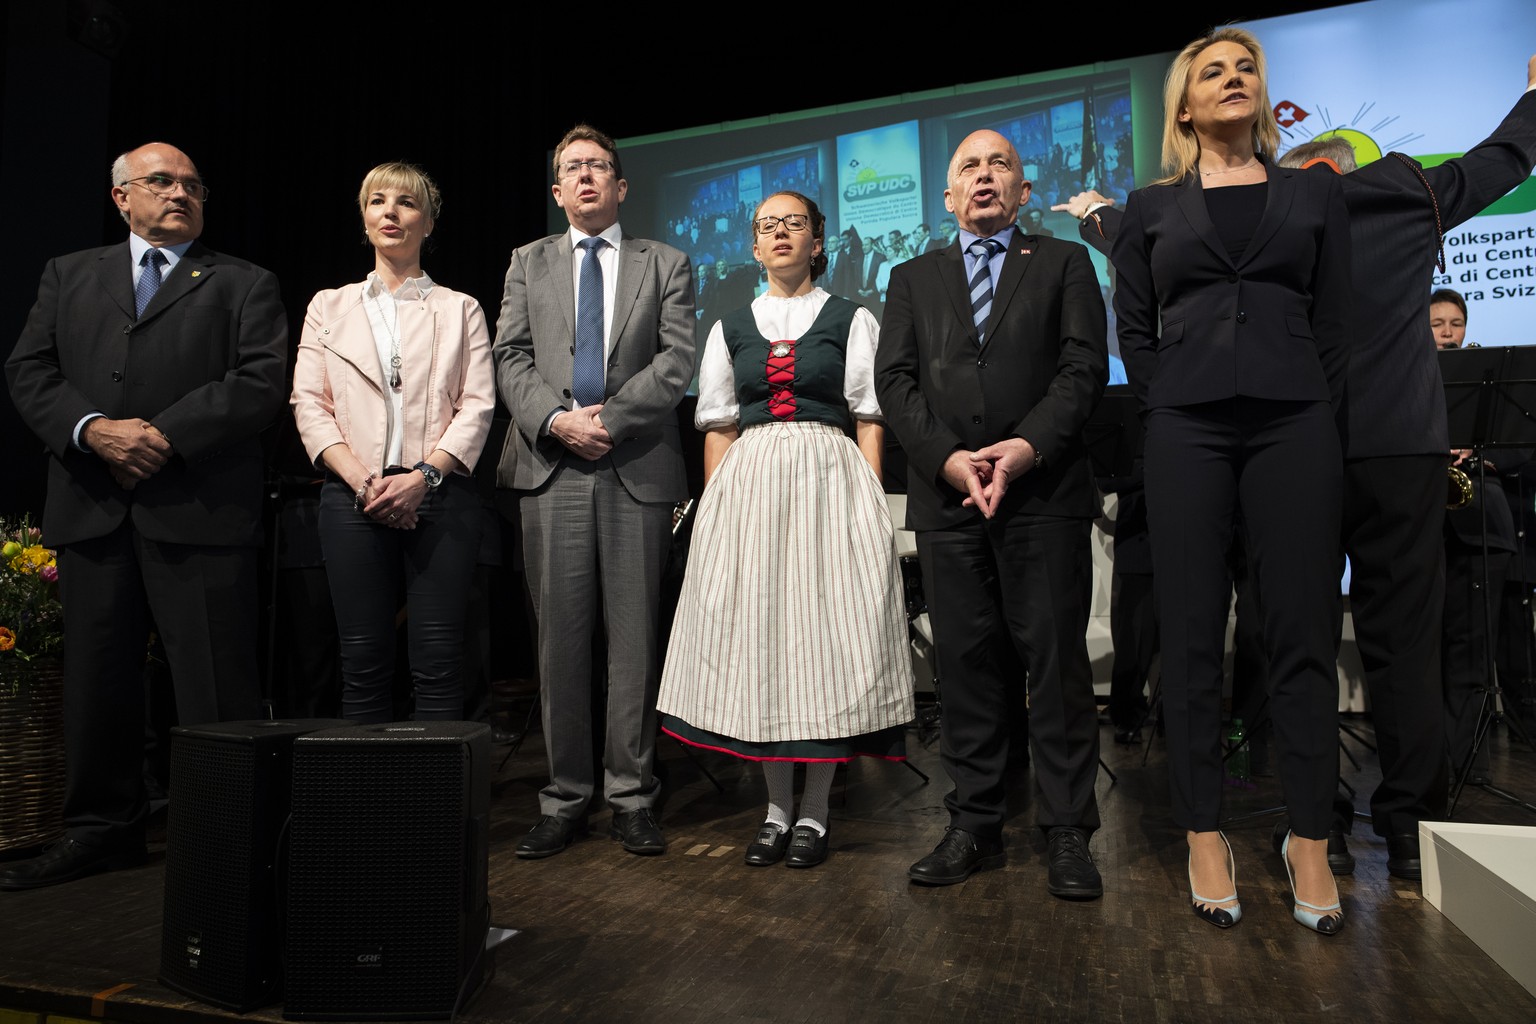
[{"x": 1489, "y": 397}]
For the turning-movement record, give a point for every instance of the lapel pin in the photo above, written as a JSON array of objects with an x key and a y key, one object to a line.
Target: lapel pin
[
  {"x": 197, "y": 273},
  {"x": 1025, "y": 252}
]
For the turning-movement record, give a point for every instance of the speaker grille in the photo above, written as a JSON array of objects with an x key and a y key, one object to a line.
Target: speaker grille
[
  {"x": 220, "y": 936},
  {"x": 382, "y": 910}
]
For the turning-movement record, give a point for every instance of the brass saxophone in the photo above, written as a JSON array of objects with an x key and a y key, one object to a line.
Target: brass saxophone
[{"x": 1459, "y": 489}]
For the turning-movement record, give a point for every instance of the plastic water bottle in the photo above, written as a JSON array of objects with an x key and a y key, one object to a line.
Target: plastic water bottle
[{"x": 1237, "y": 761}]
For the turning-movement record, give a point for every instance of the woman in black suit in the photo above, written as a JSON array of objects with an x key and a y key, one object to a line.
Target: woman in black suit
[{"x": 1232, "y": 296}]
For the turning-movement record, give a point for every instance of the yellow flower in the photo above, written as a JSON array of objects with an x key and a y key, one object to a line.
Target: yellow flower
[
  {"x": 10, "y": 551},
  {"x": 37, "y": 556},
  {"x": 7, "y": 639}
]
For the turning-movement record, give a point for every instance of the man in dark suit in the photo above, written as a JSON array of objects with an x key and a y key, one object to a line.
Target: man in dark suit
[
  {"x": 868, "y": 291},
  {"x": 992, "y": 356},
  {"x": 148, "y": 369},
  {"x": 594, "y": 350},
  {"x": 1396, "y": 448}
]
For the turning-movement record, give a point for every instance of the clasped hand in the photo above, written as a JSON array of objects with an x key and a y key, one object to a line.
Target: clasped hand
[
  {"x": 582, "y": 431},
  {"x": 393, "y": 500},
  {"x": 133, "y": 449},
  {"x": 984, "y": 476}
]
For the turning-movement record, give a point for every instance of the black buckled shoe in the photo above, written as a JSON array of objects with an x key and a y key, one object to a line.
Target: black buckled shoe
[
  {"x": 638, "y": 832},
  {"x": 1070, "y": 873},
  {"x": 1403, "y": 856},
  {"x": 550, "y": 836},
  {"x": 768, "y": 846},
  {"x": 807, "y": 847},
  {"x": 65, "y": 861},
  {"x": 959, "y": 855},
  {"x": 1340, "y": 860}
]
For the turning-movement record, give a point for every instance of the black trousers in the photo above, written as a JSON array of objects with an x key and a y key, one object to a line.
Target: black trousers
[
  {"x": 1394, "y": 515},
  {"x": 1133, "y": 631},
  {"x": 370, "y": 566},
  {"x": 203, "y": 602},
  {"x": 1025, "y": 583},
  {"x": 1280, "y": 463}
]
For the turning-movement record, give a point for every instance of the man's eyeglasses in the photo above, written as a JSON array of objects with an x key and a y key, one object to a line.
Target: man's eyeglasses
[
  {"x": 571, "y": 168},
  {"x": 791, "y": 222},
  {"x": 164, "y": 185}
]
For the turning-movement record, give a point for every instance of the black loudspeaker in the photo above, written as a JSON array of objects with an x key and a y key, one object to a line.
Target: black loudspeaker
[
  {"x": 387, "y": 906},
  {"x": 221, "y": 930}
]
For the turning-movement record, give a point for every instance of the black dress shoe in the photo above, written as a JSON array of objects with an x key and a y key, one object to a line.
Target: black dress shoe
[
  {"x": 1340, "y": 860},
  {"x": 65, "y": 861},
  {"x": 768, "y": 846},
  {"x": 1128, "y": 736},
  {"x": 550, "y": 836},
  {"x": 1070, "y": 873},
  {"x": 807, "y": 847},
  {"x": 638, "y": 832},
  {"x": 959, "y": 855},
  {"x": 1403, "y": 856}
]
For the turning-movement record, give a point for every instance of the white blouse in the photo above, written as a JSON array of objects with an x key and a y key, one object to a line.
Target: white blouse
[
  {"x": 787, "y": 318},
  {"x": 383, "y": 311}
]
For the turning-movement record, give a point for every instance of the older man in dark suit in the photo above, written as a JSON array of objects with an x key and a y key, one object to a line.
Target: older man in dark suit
[
  {"x": 593, "y": 352},
  {"x": 992, "y": 356},
  {"x": 148, "y": 369}
]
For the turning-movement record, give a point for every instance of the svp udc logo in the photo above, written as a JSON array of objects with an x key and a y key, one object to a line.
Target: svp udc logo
[{"x": 869, "y": 183}]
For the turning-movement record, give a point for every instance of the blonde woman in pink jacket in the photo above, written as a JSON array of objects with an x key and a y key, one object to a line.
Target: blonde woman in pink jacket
[{"x": 393, "y": 393}]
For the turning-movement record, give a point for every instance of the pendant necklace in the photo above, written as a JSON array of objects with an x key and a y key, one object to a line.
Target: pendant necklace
[{"x": 394, "y": 343}]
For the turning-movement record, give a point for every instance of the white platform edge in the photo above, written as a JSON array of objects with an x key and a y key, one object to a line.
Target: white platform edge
[{"x": 1483, "y": 879}]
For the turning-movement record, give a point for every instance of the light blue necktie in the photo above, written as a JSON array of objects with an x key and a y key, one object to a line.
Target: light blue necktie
[
  {"x": 587, "y": 367},
  {"x": 981, "y": 283},
  {"x": 149, "y": 280}
]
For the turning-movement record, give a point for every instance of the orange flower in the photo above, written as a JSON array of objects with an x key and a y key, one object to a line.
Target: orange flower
[{"x": 7, "y": 639}]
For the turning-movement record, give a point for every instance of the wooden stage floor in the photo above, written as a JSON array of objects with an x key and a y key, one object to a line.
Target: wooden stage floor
[{"x": 695, "y": 935}]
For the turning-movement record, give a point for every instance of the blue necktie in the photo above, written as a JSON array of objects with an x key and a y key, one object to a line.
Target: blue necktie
[
  {"x": 149, "y": 280},
  {"x": 587, "y": 367},
  {"x": 981, "y": 283}
]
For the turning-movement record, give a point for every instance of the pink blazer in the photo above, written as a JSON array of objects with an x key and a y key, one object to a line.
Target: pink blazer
[{"x": 446, "y": 377}]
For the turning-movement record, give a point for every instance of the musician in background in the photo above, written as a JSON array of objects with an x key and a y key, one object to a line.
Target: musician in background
[
  {"x": 1448, "y": 319},
  {"x": 1470, "y": 626}
]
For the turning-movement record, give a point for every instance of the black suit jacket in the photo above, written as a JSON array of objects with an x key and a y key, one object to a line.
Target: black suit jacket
[
  {"x": 204, "y": 364},
  {"x": 1041, "y": 372},
  {"x": 1396, "y": 402},
  {"x": 1396, "y": 397},
  {"x": 1197, "y": 327}
]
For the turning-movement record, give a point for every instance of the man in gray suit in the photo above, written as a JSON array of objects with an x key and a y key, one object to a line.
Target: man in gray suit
[{"x": 594, "y": 349}]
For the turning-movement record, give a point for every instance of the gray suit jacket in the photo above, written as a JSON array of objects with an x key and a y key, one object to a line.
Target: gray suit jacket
[{"x": 650, "y": 362}]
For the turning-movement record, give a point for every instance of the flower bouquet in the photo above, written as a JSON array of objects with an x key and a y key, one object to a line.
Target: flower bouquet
[
  {"x": 31, "y": 691},
  {"x": 31, "y": 618}
]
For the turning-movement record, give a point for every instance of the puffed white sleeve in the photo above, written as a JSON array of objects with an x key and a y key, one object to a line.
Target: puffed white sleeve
[
  {"x": 718, "y": 405},
  {"x": 859, "y": 369}
]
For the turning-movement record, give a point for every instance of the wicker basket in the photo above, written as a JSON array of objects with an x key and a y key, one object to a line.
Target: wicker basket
[{"x": 31, "y": 753}]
